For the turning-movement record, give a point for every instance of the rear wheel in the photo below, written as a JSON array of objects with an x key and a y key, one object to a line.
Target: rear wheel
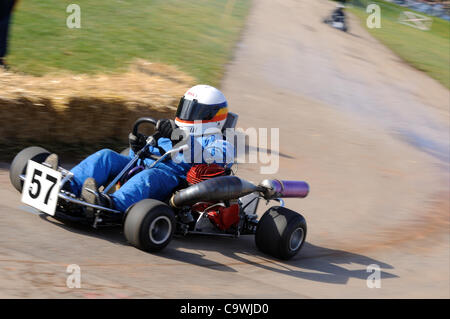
[
  {"x": 281, "y": 232},
  {"x": 149, "y": 225},
  {"x": 20, "y": 162}
]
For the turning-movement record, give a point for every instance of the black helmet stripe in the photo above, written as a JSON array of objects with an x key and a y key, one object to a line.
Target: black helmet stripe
[{"x": 191, "y": 110}]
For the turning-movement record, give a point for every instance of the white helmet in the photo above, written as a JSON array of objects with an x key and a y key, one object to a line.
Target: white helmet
[{"x": 202, "y": 107}]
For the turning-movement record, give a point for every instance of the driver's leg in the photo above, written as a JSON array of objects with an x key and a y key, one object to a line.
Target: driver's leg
[
  {"x": 152, "y": 183},
  {"x": 100, "y": 165}
]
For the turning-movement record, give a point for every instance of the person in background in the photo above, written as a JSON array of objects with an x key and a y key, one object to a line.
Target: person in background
[
  {"x": 338, "y": 13},
  {"x": 6, "y": 8}
]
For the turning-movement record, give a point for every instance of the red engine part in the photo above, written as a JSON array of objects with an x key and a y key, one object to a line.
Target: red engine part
[
  {"x": 224, "y": 217},
  {"x": 202, "y": 172}
]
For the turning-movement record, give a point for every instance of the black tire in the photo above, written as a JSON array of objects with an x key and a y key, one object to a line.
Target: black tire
[
  {"x": 19, "y": 163},
  {"x": 280, "y": 232},
  {"x": 126, "y": 152},
  {"x": 146, "y": 214}
]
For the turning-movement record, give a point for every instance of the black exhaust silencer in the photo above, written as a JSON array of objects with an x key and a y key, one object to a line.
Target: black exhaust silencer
[{"x": 213, "y": 190}]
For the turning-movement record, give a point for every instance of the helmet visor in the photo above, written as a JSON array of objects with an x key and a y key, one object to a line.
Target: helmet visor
[{"x": 191, "y": 110}]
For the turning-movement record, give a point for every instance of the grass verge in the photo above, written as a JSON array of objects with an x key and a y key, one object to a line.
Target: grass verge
[
  {"x": 196, "y": 35},
  {"x": 428, "y": 51}
]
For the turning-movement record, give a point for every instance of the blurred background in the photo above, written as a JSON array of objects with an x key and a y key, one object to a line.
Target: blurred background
[
  {"x": 363, "y": 117},
  {"x": 130, "y": 56}
]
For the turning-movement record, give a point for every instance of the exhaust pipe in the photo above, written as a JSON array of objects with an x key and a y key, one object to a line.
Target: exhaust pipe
[
  {"x": 213, "y": 190},
  {"x": 274, "y": 188}
]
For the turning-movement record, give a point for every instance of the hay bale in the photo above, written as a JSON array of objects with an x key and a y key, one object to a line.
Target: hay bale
[{"x": 86, "y": 109}]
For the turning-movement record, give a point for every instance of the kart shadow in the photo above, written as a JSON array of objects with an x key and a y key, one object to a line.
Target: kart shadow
[
  {"x": 111, "y": 234},
  {"x": 313, "y": 262},
  {"x": 115, "y": 235},
  {"x": 224, "y": 254},
  {"x": 252, "y": 149}
]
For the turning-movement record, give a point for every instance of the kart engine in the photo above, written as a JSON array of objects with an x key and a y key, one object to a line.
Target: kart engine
[{"x": 219, "y": 215}]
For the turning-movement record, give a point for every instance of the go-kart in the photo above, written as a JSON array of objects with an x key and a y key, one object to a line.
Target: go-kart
[
  {"x": 337, "y": 20},
  {"x": 224, "y": 205}
]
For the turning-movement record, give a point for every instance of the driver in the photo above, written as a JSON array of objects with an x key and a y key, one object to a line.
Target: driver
[
  {"x": 338, "y": 13},
  {"x": 202, "y": 109}
]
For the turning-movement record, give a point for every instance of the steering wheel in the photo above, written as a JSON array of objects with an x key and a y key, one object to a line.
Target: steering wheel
[
  {"x": 141, "y": 120},
  {"x": 155, "y": 135}
]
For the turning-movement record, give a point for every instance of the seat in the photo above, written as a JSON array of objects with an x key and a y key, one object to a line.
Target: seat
[{"x": 230, "y": 122}]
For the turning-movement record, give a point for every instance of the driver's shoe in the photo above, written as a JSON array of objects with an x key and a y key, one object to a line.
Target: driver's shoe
[
  {"x": 91, "y": 195},
  {"x": 52, "y": 161}
]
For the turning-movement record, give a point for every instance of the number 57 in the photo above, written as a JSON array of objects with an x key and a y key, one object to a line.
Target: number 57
[{"x": 38, "y": 188}]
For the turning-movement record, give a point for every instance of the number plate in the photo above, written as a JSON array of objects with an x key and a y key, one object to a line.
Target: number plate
[{"x": 41, "y": 187}]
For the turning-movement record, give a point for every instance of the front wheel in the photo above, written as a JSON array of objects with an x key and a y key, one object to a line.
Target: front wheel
[
  {"x": 280, "y": 232},
  {"x": 20, "y": 162},
  {"x": 149, "y": 225}
]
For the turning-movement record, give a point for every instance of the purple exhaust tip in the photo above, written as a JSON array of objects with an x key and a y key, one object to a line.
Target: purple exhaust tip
[{"x": 284, "y": 189}]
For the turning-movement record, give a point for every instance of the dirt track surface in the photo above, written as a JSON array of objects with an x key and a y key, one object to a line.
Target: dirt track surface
[{"x": 370, "y": 135}]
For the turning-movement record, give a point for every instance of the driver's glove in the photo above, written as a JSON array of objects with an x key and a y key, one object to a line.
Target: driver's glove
[
  {"x": 165, "y": 127},
  {"x": 137, "y": 142}
]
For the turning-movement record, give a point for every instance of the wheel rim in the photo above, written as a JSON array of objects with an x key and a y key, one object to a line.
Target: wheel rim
[
  {"x": 160, "y": 229},
  {"x": 296, "y": 239}
]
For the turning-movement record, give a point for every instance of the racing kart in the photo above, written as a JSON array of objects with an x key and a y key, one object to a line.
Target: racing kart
[
  {"x": 224, "y": 205},
  {"x": 337, "y": 20}
]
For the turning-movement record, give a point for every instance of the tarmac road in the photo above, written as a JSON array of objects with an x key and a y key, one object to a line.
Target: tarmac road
[{"x": 369, "y": 133}]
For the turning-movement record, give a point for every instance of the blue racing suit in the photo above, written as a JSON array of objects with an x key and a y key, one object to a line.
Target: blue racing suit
[{"x": 157, "y": 182}]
